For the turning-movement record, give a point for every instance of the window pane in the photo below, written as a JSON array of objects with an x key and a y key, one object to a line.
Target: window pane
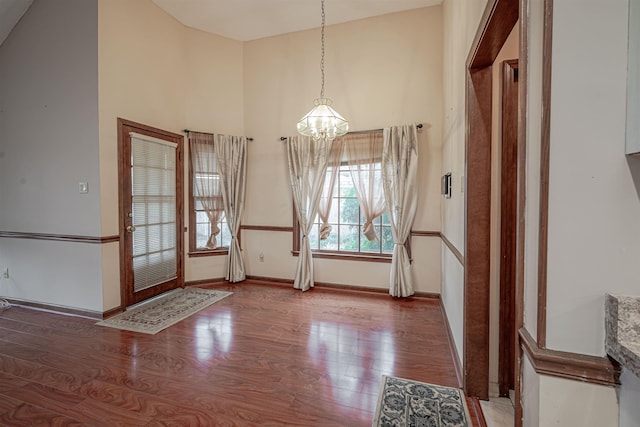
[
  {"x": 349, "y": 211},
  {"x": 385, "y": 218},
  {"x": 331, "y": 242},
  {"x": 349, "y": 238},
  {"x": 368, "y": 246},
  {"x": 387, "y": 240},
  {"x": 346, "y": 185},
  {"x": 313, "y": 237}
]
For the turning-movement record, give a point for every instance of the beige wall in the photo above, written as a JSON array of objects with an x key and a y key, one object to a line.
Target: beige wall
[
  {"x": 155, "y": 71},
  {"x": 380, "y": 72},
  {"x": 460, "y": 18}
]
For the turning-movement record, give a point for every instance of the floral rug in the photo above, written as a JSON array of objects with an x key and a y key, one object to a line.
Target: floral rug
[
  {"x": 410, "y": 403},
  {"x": 160, "y": 313}
]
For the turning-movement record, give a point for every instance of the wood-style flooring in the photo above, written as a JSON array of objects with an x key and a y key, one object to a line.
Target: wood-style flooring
[{"x": 264, "y": 356}]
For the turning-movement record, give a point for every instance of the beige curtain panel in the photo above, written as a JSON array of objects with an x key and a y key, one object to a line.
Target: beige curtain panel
[
  {"x": 326, "y": 199},
  {"x": 206, "y": 183},
  {"x": 308, "y": 160},
  {"x": 231, "y": 154},
  {"x": 364, "y": 157},
  {"x": 399, "y": 175}
]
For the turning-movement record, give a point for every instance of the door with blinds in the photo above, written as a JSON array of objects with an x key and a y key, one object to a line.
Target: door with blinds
[{"x": 150, "y": 173}]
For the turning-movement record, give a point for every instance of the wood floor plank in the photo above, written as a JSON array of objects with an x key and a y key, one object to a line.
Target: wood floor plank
[{"x": 264, "y": 356}]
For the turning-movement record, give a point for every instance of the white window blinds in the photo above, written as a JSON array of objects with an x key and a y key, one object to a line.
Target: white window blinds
[{"x": 153, "y": 189}]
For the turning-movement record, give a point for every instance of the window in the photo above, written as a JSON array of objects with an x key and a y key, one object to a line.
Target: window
[
  {"x": 204, "y": 193},
  {"x": 356, "y": 162},
  {"x": 346, "y": 221}
]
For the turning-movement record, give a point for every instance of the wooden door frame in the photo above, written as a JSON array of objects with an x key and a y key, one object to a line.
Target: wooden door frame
[
  {"x": 496, "y": 24},
  {"x": 124, "y": 167},
  {"x": 508, "y": 221}
]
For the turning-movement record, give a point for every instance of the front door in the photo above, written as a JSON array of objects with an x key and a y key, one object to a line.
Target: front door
[{"x": 150, "y": 175}]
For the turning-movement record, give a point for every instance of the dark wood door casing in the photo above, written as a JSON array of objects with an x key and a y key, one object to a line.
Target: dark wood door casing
[
  {"x": 508, "y": 217},
  {"x": 127, "y": 294}
]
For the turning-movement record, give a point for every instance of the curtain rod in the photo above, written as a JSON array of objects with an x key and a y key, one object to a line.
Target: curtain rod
[
  {"x": 207, "y": 133},
  {"x": 419, "y": 126}
]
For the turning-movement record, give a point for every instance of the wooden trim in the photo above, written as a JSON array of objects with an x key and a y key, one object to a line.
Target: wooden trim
[
  {"x": 508, "y": 221},
  {"x": 421, "y": 233},
  {"x": 56, "y": 308},
  {"x": 572, "y": 366},
  {"x": 452, "y": 248},
  {"x": 339, "y": 287},
  {"x": 59, "y": 237},
  {"x": 543, "y": 232},
  {"x": 201, "y": 282},
  {"x": 477, "y": 410},
  {"x": 267, "y": 228},
  {"x": 211, "y": 252},
  {"x": 128, "y": 295},
  {"x": 523, "y": 58},
  {"x": 498, "y": 20},
  {"x": 477, "y": 230},
  {"x": 346, "y": 256},
  {"x": 112, "y": 312},
  {"x": 452, "y": 344}
]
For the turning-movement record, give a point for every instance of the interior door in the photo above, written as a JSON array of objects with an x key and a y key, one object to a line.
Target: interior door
[{"x": 151, "y": 238}]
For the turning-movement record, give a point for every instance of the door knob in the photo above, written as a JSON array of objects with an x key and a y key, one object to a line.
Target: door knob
[{"x": 131, "y": 228}]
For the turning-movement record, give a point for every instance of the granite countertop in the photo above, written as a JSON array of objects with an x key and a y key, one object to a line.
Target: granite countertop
[{"x": 622, "y": 321}]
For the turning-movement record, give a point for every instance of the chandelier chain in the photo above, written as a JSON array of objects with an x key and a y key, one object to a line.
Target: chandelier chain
[{"x": 322, "y": 52}]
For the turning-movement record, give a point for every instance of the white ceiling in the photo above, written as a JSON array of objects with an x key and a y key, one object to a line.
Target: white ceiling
[
  {"x": 10, "y": 13},
  {"x": 248, "y": 19},
  {"x": 254, "y": 19}
]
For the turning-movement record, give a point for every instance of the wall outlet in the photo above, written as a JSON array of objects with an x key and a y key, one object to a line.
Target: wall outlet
[{"x": 5, "y": 273}]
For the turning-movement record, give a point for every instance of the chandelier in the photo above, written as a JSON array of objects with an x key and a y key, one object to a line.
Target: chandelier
[{"x": 322, "y": 121}]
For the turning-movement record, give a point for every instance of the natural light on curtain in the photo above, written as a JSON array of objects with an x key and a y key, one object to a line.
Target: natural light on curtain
[
  {"x": 153, "y": 189},
  {"x": 308, "y": 162},
  {"x": 206, "y": 183},
  {"x": 399, "y": 174},
  {"x": 364, "y": 157},
  {"x": 231, "y": 153}
]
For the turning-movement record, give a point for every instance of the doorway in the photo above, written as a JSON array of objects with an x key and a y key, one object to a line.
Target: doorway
[
  {"x": 150, "y": 173},
  {"x": 508, "y": 226}
]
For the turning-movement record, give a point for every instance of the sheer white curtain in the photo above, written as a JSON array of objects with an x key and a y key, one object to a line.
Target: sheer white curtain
[
  {"x": 326, "y": 199},
  {"x": 231, "y": 153},
  {"x": 399, "y": 174},
  {"x": 364, "y": 156},
  {"x": 308, "y": 161},
  {"x": 206, "y": 183}
]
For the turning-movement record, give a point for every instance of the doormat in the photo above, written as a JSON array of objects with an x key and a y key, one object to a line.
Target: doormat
[
  {"x": 410, "y": 403},
  {"x": 156, "y": 315}
]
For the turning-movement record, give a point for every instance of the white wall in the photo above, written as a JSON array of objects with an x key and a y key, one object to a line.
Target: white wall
[
  {"x": 380, "y": 71},
  {"x": 461, "y": 19},
  {"x": 48, "y": 144},
  {"x": 593, "y": 203},
  {"x": 594, "y": 232},
  {"x": 629, "y": 397}
]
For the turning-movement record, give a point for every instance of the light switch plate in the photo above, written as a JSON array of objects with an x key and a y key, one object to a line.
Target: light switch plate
[{"x": 83, "y": 187}]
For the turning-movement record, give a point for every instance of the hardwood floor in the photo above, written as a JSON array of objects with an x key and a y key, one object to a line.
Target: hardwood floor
[{"x": 264, "y": 356}]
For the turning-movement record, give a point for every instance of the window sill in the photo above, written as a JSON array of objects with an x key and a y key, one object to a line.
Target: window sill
[
  {"x": 349, "y": 256},
  {"x": 209, "y": 252}
]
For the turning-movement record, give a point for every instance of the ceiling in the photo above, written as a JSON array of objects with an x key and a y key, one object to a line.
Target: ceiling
[
  {"x": 248, "y": 19},
  {"x": 254, "y": 19},
  {"x": 10, "y": 13}
]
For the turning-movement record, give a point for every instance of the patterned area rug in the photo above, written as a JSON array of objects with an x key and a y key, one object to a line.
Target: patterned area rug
[
  {"x": 409, "y": 403},
  {"x": 158, "y": 314}
]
